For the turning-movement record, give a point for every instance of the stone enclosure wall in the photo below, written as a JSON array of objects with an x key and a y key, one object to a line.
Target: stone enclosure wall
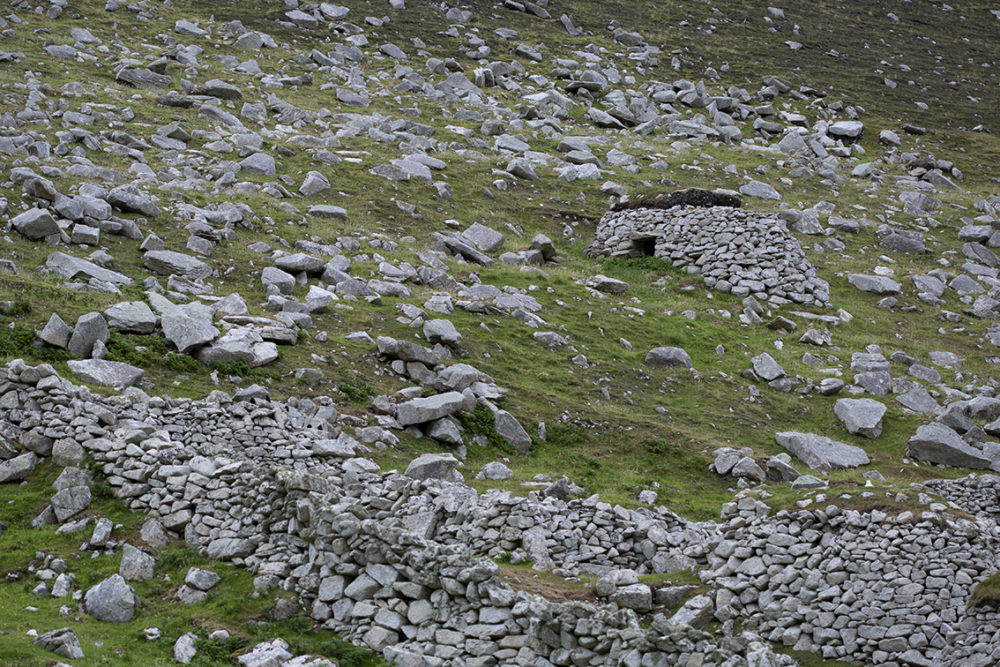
[{"x": 397, "y": 563}]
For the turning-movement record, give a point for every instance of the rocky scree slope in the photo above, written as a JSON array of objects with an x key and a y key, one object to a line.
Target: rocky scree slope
[{"x": 383, "y": 213}]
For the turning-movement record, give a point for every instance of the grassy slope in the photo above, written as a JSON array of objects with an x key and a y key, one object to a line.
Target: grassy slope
[
  {"x": 618, "y": 445},
  {"x": 701, "y": 414}
]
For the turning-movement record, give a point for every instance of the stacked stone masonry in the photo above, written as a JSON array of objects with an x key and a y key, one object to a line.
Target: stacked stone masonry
[
  {"x": 735, "y": 250},
  {"x": 399, "y": 564}
]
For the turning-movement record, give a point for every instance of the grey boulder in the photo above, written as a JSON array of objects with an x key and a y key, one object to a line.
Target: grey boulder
[
  {"x": 68, "y": 267},
  {"x": 860, "y": 416},
  {"x": 766, "y": 367},
  {"x": 603, "y": 283},
  {"x": 70, "y": 501},
  {"x": 56, "y": 332},
  {"x": 939, "y": 444},
  {"x": 434, "y": 466},
  {"x": 260, "y": 164},
  {"x": 136, "y": 564},
  {"x": 485, "y": 238},
  {"x": 421, "y": 410},
  {"x": 314, "y": 183},
  {"x": 35, "y": 224},
  {"x": 131, "y": 317},
  {"x": 62, "y": 642},
  {"x": 441, "y": 331},
  {"x": 203, "y": 580},
  {"x": 90, "y": 329},
  {"x": 18, "y": 468},
  {"x": 510, "y": 429},
  {"x": 115, "y": 374},
  {"x": 874, "y": 284},
  {"x": 167, "y": 262},
  {"x": 494, "y": 470},
  {"x": 821, "y": 453},
  {"x": 670, "y": 357},
  {"x": 760, "y": 190},
  {"x": 130, "y": 199},
  {"x": 185, "y": 332},
  {"x": 112, "y": 600}
]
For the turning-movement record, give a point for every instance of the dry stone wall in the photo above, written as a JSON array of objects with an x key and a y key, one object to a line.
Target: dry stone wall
[
  {"x": 263, "y": 496},
  {"x": 399, "y": 564},
  {"x": 735, "y": 250}
]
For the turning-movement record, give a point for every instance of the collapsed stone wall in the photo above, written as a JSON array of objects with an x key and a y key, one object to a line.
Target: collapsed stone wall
[
  {"x": 323, "y": 526},
  {"x": 736, "y": 251},
  {"x": 577, "y": 536},
  {"x": 868, "y": 587},
  {"x": 976, "y": 494},
  {"x": 395, "y": 563}
]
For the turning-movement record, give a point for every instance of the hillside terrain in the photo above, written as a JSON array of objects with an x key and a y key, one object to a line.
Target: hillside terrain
[{"x": 499, "y": 333}]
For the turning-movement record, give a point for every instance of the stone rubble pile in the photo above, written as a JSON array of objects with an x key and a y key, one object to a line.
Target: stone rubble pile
[{"x": 737, "y": 251}]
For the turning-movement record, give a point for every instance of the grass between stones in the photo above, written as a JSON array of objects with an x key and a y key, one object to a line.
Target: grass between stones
[
  {"x": 232, "y": 605},
  {"x": 614, "y": 426}
]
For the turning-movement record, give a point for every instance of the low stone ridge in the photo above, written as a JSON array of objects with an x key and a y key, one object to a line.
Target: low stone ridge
[
  {"x": 736, "y": 250},
  {"x": 688, "y": 197}
]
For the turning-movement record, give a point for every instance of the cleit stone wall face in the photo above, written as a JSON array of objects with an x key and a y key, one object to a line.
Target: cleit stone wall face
[{"x": 735, "y": 250}]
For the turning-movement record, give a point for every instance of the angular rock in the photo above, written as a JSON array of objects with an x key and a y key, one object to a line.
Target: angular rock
[
  {"x": 70, "y": 501},
  {"x": 282, "y": 281},
  {"x": 143, "y": 78},
  {"x": 184, "y": 648},
  {"x": 112, "y": 600},
  {"x": 441, "y": 331},
  {"x": 115, "y": 374},
  {"x": 18, "y": 468},
  {"x": 495, "y": 470},
  {"x": 434, "y": 466},
  {"x": 874, "y": 284},
  {"x": 860, "y": 416},
  {"x": 422, "y": 410},
  {"x": 90, "y": 329},
  {"x": 62, "y": 642},
  {"x": 227, "y": 548},
  {"x": 260, "y": 164},
  {"x": 136, "y": 564},
  {"x": 313, "y": 183},
  {"x": 131, "y": 317},
  {"x": 939, "y": 444},
  {"x": 760, "y": 190},
  {"x": 607, "y": 285},
  {"x": 131, "y": 199},
  {"x": 35, "y": 224},
  {"x": 766, "y": 367},
  {"x": 696, "y": 612},
  {"x": 669, "y": 357},
  {"x": 511, "y": 430},
  {"x": 68, "y": 267},
  {"x": 821, "y": 453},
  {"x": 485, "y": 238},
  {"x": 187, "y": 333},
  {"x": 218, "y": 88},
  {"x": 203, "y": 580},
  {"x": 167, "y": 262}
]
